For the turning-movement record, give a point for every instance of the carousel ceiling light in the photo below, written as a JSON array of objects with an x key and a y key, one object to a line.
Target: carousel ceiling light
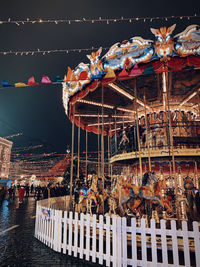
[
  {"x": 126, "y": 110},
  {"x": 129, "y": 96},
  {"x": 188, "y": 98},
  {"x": 117, "y": 129},
  {"x": 121, "y": 91},
  {"x": 108, "y": 123},
  {"x": 90, "y": 115},
  {"x": 142, "y": 104},
  {"x": 95, "y": 103}
]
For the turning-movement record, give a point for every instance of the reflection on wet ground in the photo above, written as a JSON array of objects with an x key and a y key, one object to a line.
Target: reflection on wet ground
[{"x": 19, "y": 247}]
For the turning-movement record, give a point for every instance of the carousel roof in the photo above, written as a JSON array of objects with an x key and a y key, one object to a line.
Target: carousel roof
[{"x": 135, "y": 63}]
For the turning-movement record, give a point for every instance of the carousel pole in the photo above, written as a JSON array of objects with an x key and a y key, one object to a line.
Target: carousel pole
[
  {"x": 102, "y": 144},
  {"x": 147, "y": 133},
  {"x": 171, "y": 145},
  {"x": 137, "y": 125},
  {"x": 115, "y": 133},
  {"x": 196, "y": 177},
  {"x": 99, "y": 171},
  {"x": 109, "y": 165},
  {"x": 79, "y": 133},
  {"x": 72, "y": 155},
  {"x": 86, "y": 154}
]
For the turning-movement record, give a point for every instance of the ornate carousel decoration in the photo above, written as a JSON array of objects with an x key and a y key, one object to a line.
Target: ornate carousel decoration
[{"x": 145, "y": 96}]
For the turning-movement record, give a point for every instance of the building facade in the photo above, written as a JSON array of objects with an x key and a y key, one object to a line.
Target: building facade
[{"x": 5, "y": 152}]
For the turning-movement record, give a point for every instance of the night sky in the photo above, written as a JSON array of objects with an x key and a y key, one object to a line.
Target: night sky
[{"x": 38, "y": 111}]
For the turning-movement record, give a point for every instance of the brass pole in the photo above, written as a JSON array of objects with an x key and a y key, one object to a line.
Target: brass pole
[
  {"x": 102, "y": 145},
  {"x": 72, "y": 155},
  {"x": 147, "y": 133},
  {"x": 109, "y": 153},
  {"x": 196, "y": 177},
  {"x": 86, "y": 154},
  {"x": 137, "y": 125},
  {"x": 171, "y": 145},
  {"x": 98, "y": 149},
  {"x": 79, "y": 133},
  {"x": 115, "y": 133}
]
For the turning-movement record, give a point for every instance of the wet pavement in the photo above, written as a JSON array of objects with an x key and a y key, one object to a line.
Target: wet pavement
[{"x": 19, "y": 247}]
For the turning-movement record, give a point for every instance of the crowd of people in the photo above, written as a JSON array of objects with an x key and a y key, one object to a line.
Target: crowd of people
[
  {"x": 51, "y": 190},
  {"x": 38, "y": 192}
]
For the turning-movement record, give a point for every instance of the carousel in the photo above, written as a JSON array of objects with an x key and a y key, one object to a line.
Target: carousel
[{"x": 142, "y": 100}]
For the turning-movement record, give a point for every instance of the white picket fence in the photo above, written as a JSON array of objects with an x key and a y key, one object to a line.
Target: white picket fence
[{"x": 115, "y": 241}]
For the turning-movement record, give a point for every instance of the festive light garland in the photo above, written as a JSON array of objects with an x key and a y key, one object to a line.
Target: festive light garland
[
  {"x": 100, "y": 19},
  {"x": 13, "y": 135},
  {"x": 47, "y": 52}
]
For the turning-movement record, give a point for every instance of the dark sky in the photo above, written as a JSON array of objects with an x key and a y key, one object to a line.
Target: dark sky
[{"x": 38, "y": 111}]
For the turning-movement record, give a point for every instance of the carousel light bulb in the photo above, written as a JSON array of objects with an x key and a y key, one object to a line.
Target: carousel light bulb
[{"x": 118, "y": 89}]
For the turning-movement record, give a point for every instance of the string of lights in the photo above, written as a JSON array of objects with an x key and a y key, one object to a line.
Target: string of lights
[
  {"x": 94, "y": 20},
  {"x": 13, "y": 135},
  {"x": 47, "y": 52},
  {"x": 67, "y": 51}
]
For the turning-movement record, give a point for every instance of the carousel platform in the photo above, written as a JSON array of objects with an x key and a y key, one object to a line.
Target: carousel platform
[{"x": 157, "y": 153}]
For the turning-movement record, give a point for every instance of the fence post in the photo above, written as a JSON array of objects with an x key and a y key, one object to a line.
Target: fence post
[
  {"x": 101, "y": 239},
  {"x": 65, "y": 233},
  {"x": 36, "y": 220},
  {"x": 81, "y": 235},
  {"x": 133, "y": 242},
  {"x": 119, "y": 241},
  {"x": 70, "y": 222},
  {"x": 114, "y": 240},
  {"x": 94, "y": 218},
  {"x": 153, "y": 243},
  {"x": 143, "y": 242},
  {"x": 196, "y": 243},
  {"x": 186, "y": 243},
  {"x": 88, "y": 237},
  {"x": 75, "y": 234},
  {"x": 107, "y": 240},
  {"x": 59, "y": 230},
  {"x": 124, "y": 242},
  {"x": 164, "y": 242},
  {"x": 174, "y": 244}
]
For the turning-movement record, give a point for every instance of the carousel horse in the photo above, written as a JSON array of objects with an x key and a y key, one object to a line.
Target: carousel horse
[
  {"x": 93, "y": 196},
  {"x": 87, "y": 195},
  {"x": 124, "y": 191},
  {"x": 121, "y": 194},
  {"x": 81, "y": 206}
]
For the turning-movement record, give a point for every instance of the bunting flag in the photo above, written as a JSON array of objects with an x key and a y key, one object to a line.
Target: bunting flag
[
  {"x": 31, "y": 82},
  {"x": 70, "y": 75},
  {"x": 5, "y": 84},
  {"x": 135, "y": 71},
  {"x": 58, "y": 79},
  {"x": 46, "y": 80},
  {"x": 110, "y": 76},
  {"x": 20, "y": 85},
  {"x": 123, "y": 74}
]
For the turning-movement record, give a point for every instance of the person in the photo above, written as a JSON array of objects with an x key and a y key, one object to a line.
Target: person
[
  {"x": 10, "y": 192},
  {"x": 21, "y": 194},
  {"x": 31, "y": 188},
  {"x": 27, "y": 190},
  {"x": 38, "y": 192},
  {"x": 45, "y": 192}
]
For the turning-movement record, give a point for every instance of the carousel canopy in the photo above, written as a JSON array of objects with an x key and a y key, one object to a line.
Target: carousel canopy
[{"x": 140, "y": 64}]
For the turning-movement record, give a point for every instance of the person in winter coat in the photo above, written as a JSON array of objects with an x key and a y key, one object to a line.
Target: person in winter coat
[{"x": 21, "y": 194}]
